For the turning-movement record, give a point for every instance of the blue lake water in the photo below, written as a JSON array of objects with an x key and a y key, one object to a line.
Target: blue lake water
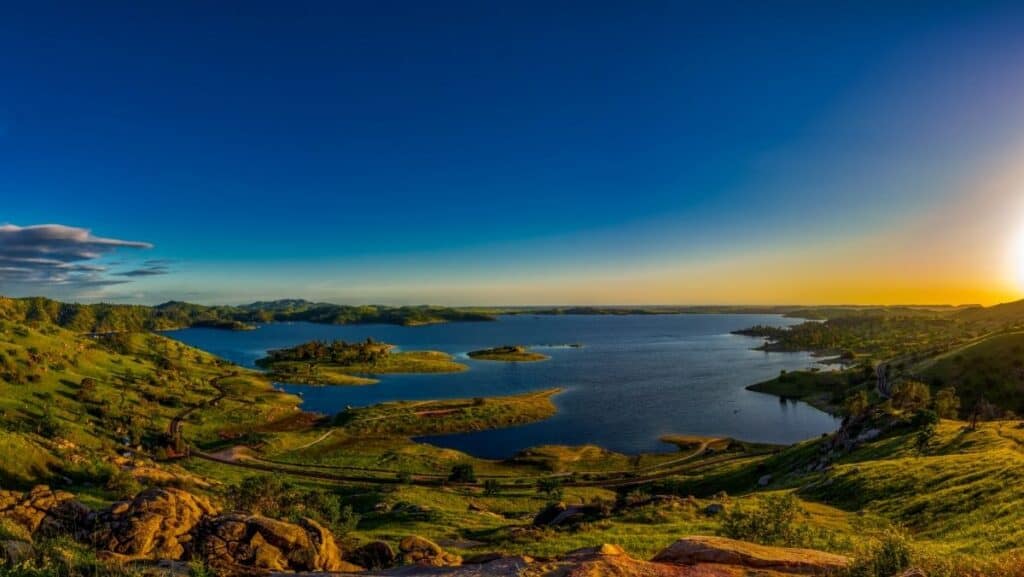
[{"x": 636, "y": 378}]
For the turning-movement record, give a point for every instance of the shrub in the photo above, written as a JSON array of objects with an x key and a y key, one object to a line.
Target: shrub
[
  {"x": 774, "y": 522},
  {"x": 123, "y": 484},
  {"x": 888, "y": 556},
  {"x": 462, "y": 473}
]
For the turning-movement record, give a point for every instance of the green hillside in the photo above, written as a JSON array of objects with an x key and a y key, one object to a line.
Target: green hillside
[{"x": 990, "y": 370}]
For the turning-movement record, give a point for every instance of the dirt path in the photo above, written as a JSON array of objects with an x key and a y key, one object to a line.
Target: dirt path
[
  {"x": 174, "y": 427},
  {"x": 318, "y": 439}
]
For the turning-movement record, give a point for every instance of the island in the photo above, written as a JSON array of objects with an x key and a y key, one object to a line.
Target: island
[
  {"x": 508, "y": 353},
  {"x": 343, "y": 363}
]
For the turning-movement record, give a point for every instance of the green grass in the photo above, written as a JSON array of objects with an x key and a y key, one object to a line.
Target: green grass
[
  {"x": 414, "y": 418},
  {"x": 992, "y": 369},
  {"x": 139, "y": 382}
]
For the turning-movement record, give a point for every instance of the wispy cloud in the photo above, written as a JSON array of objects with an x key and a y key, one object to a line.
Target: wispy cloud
[
  {"x": 144, "y": 271},
  {"x": 62, "y": 257}
]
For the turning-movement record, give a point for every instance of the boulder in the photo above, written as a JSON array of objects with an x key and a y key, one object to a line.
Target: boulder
[
  {"x": 156, "y": 524},
  {"x": 764, "y": 481},
  {"x": 418, "y": 550},
  {"x": 236, "y": 542},
  {"x": 43, "y": 511},
  {"x": 374, "y": 555},
  {"x": 722, "y": 551}
]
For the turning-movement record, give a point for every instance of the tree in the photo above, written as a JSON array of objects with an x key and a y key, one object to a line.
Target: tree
[
  {"x": 947, "y": 404},
  {"x": 462, "y": 473},
  {"x": 911, "y": 395}
]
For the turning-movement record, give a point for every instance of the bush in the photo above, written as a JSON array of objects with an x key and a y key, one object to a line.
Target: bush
[
  {"x": 462, "y": 473},
  {"x": 774, "y": 522},
  {"x": 888, "y": 556},
  {"x": 123, "y": 484}
]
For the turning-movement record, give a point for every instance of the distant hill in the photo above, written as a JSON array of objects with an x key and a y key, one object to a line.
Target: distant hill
[
  {"x": 103, "y": 318},
  {"x": 1006, "y": 313}
]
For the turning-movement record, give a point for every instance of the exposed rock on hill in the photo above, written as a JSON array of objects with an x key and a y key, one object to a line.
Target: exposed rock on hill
[
  {"x": 421, "y": 551},
  {"x": 688, "y": 557},
  {"x": 719, "y": 550},
  {"x": 236, "y": 542},
  {"x": 44, "y": 511},
  {"x": 156, "y": 524}
]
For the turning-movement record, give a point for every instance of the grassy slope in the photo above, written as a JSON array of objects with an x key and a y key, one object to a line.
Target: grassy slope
[
  {"x": 992, "y": 368},
  {"x": 137, "y": 393},
  {"x": 948, "y": 496}
]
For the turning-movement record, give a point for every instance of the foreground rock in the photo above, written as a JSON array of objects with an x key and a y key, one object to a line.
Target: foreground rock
[
  {"x": 424, "y": 552},
  {"x": 236, "y": 542},
  {"x": 688, "y": 557},
  {"x": 156, "y": 524},
  {"x": 43, "y": 511},
  {"x": 722, "y": 551}
]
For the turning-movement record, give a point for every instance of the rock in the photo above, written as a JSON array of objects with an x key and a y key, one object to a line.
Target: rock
[
  {"x": 764, "y": 480},
  {"x": 375, "y": 555},
  {"x": 236, "y": 542},
  {"x": 913, "y": 572},
  {"x": 43, "y": 511},
  {"x": 714, "y": 509},
  {"x": 421, "y": 551},
  {"x": 606, "y": 549},
  {"x": 156, "y": 524},
  {"x": 728, "y": 559},
  {"x": 722, "y": 551}
]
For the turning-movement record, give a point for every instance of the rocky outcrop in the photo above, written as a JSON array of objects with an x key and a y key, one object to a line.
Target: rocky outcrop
[
  {"x": 689, "y": 557},
  {"x": 43, "y": 511},
  {"x": 156, "y": 524},
  {"x": 236, "y": 542},
  {"x": 722, "y": 551},
  {"x": 421, "y": 551}
]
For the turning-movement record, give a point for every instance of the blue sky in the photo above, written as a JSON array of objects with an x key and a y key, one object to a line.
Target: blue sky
[{"x": 468, "y": 152}]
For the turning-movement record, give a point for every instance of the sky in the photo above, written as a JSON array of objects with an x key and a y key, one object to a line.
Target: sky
[{"x": 512, "y": 153}]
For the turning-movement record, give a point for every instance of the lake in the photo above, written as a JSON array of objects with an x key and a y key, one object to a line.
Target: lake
[{"x": 636, "y": 377}]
